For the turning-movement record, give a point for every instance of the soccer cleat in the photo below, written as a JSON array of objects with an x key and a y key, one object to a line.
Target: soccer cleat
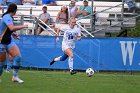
[
  {"x": 52, "y": 62},
  {"x": 73, "y": 72},
  {"x": 17, "y": 79}
]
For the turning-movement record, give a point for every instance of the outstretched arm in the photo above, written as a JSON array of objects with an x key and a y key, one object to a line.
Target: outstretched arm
[{"x": 13, "y": 28}]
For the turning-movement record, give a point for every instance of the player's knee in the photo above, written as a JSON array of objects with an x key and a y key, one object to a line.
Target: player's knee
[
  {"x": 71, "y": 56},
  {"x": 10, "y": 59}
]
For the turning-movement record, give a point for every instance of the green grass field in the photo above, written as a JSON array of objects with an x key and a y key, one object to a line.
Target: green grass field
[{"x": 63, "y": 82}]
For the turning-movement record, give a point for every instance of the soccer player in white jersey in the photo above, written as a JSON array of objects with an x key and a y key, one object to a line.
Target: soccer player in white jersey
[{"x": 72, "y": 33}]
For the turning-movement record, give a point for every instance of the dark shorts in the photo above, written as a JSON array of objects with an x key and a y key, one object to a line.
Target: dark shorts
[{"x": 4, "y": 48}]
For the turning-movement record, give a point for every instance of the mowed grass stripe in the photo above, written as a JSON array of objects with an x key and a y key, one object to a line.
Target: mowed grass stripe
[{"x": 63, "y": 82}]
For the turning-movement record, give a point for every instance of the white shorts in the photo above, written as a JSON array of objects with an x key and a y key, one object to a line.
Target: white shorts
[{"x": 65, "y": 46}]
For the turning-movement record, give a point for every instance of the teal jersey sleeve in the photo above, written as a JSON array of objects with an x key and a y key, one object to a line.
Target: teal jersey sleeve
[{"x": 7, "y": 19}]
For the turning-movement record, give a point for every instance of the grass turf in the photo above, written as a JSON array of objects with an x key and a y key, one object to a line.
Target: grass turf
[{"x": 63, "y": 82}]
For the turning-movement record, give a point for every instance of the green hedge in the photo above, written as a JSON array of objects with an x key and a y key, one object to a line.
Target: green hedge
[{"x": 134, "y": 32}]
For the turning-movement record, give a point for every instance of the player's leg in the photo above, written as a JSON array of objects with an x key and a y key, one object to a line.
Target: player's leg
[
  {"x": 60, "y": 58},
  {"x": 2, "y": 59},
  {"x": 70, "y": 61},
  {"x": 9, "y": 63},
  {"x": 13, "y": 51}
]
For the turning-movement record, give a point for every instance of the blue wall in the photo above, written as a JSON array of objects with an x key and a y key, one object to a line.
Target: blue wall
[{"x": 97, "y": 53}]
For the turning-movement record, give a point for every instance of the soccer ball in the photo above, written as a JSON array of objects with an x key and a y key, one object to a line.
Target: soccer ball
[{"x": 89, "y": 72}]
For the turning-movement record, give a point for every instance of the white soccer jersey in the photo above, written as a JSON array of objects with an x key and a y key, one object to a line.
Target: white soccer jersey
[{"x": 70, "y": 37}]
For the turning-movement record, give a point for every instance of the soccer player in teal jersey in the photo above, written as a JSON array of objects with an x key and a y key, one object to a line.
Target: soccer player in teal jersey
[{"x": 7, "y": 44}]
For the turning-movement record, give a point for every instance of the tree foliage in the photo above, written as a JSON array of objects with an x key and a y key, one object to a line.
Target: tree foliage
[{"x": 134, "y": 32}]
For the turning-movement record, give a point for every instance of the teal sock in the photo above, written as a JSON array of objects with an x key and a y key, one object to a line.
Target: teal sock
[
  {"x": 1, "y": 67},
  {"x": 70, "y": 62},
  {"x": 15, "y": 72},
  {"x": 16, "y": 65},
  {"x": 9, "y": 65}
]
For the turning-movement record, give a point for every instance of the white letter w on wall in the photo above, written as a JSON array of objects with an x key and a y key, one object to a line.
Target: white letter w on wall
[{"x": 128, "y": 48}]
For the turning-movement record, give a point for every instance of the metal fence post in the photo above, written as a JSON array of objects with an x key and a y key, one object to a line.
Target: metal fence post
[
  {"x": 122, "y": 14},
  {"x": 92, "y": 17}
]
